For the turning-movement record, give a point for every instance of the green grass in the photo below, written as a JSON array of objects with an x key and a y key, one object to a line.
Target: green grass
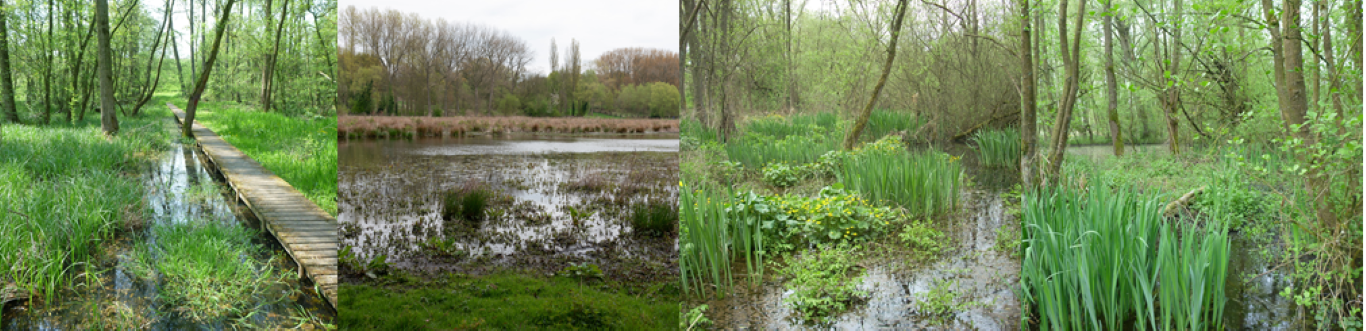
[
  {"x": 882, "y": 122},
  {"x": 468, "y": 204},
  {"x": 502, "y": 302},
  {"x": 1090, "y": 263},
  {"x": 924, "y": 183},
  {"x": 301, "y": 150},
  {"x": 207, "y": 269},
  {"x": 754, "y": 150},
  {"x": 654, "y": 219},
  {"x": 998, "y": 148},
  {"x": 66, "y": 187}
]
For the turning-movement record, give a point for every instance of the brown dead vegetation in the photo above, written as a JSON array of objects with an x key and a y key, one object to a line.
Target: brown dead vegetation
[{"x": 377, "y": 126}]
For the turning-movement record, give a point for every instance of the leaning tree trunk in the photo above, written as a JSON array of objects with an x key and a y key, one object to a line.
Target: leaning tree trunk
[
  {"x": 862, "y": 121},
  {"x": 203, "y": 78},
  {"x": 108, "y": 116}
]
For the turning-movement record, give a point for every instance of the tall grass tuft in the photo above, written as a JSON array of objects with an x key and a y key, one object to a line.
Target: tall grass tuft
[
  {"x": 654, "y": 218},
  {"x": 883, "y": 122},
  {"x": 1095, "y": 260},
  {"x": 754, "y": 150},
  {"x": 923, "y": 182},
  {"x": 206, "y": 271},
  {"x": 711, "y": 237},
  {"x": 998, "y": 148}
]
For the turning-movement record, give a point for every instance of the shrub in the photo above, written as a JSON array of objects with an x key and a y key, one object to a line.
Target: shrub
[{"x": 781, "y": 175}]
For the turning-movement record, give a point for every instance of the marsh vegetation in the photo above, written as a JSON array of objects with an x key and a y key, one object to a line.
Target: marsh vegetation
[{"x": 593, "y": 212}]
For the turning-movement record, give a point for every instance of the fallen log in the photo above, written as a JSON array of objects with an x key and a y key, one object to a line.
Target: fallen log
[
  {"x": 1186, "y": 199},
  {"x": 12, "y": 293}
]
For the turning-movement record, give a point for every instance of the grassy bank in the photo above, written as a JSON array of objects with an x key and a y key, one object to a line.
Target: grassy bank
[
  {"x": 204, "y": 269},
  {"x": 302, "y": 151},
  {"x": 66, "y": 187},
  {"x": 358, "y": 127},
  {"x": 503, "y": 302}
]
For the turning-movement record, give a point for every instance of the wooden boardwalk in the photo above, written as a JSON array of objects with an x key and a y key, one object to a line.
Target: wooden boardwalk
[{"x": 306, "y": 231}]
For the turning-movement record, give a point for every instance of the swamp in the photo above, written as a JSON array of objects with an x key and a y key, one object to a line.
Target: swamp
[
  {"x": 587, "y": 220},
  {"x": 1034, "y": 165}
]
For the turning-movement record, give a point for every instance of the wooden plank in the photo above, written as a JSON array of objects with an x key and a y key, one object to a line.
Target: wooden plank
[{"x": 307, "y": 232}]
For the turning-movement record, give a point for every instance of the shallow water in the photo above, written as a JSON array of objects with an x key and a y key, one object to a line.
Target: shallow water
[
  {"x": 390, "y": 195},
  {"x": 979, "y": 272},
  {"x": 180, "y": 189}
]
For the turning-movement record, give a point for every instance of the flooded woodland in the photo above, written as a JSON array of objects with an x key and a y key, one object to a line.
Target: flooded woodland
[{"x": 145, "y": 279}]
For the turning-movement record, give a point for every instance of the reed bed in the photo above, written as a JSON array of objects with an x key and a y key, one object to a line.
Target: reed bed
[
  {"x": 711, "y": 237},
  {"x": 1106, "y": 260},
  {"x": 924, "y": 183},
  {"x": 389, "y": 126},
  {"x": 999, "y": 148}
]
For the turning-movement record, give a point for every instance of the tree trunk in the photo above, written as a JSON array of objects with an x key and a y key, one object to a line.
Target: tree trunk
[
  {"x": 1028, "y": 108},
  {"x": 1111, "y": 87},
  {"x": 47, "y": 68},
  {"x": 852, "y": 137},
  {"x": 108, "y": 116},
  {"x": 6, "y": 76},
  {"x": 203, "y": 81},
  {"x": 270, "y": 59},
  {"x": 193, "y": 65},
  {"x": 1071, "y": 56}
]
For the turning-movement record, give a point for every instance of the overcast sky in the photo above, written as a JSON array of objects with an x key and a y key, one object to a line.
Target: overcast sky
[{"x": 598, "y": 25}]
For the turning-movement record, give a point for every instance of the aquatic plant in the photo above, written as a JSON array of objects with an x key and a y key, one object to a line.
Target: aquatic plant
[
  {"x": 883, "y": 122},
  {"x": 654, "y": 219},
  {"x": 941, "y": 302},
  {"x": 998, "y": 148},
  {"x": 1095, "y": 260},
  {"x": 466, "y": 203},
  {"x": 780, "y": 175},
  {"x": 923, "y": 182},
  {"x": 711, "y": 235},
  {"x": 206, "y": 276},
  {"x": 923, "y": 240},
  {"x": 824, "y": 283},
  {"x": 756, "y": 150}
]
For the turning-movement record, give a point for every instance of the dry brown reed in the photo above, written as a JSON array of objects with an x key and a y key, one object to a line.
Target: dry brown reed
[{"x": 377, "y": 126}]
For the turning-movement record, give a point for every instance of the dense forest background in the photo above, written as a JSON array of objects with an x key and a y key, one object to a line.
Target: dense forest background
[
  {"x": 1180, "y": 68},
  {"x": 276, "y": 55},
  {"x": 402, "y": 64}
]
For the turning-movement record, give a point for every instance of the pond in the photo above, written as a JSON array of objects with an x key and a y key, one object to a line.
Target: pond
[
  {"x": 554, "y": 201},
  {"x": 180, "y": 190}
]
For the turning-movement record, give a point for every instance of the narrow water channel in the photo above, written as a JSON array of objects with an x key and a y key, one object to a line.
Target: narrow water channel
[{"x": 180, "y": 189}]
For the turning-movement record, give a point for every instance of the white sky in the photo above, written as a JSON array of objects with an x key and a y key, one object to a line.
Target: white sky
[{"x": 598, "y": 25}]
